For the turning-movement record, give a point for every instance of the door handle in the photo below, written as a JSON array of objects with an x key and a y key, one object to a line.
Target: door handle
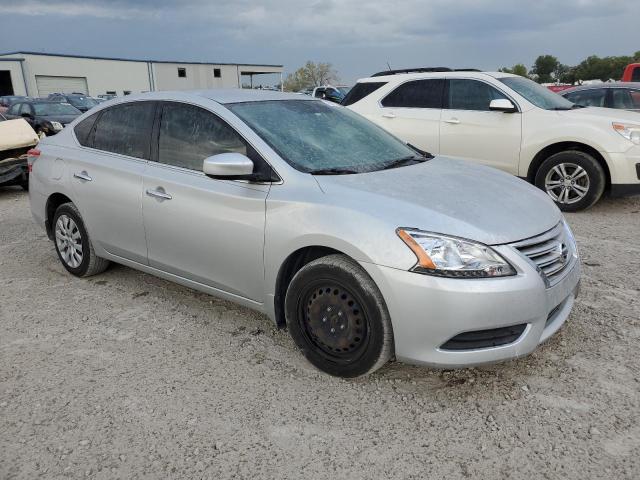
[
  {"x": 159, "y": 194},
  {"x": 83, "y": 175},
  {"x": 389, "y": 115},
  {"x": 453, "y": 121}
]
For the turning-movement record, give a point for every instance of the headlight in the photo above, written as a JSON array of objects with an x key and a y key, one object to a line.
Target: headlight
[
  {"x": 628, "y": 131},
  {"x": 57, "y": 126},
  {"x": 453, "y": 257}
]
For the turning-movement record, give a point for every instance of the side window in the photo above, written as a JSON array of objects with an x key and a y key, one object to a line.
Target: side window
[
  {"x": 621, "y": 98},
  {"x": 589, "y": 98},
  {"x": 126, "y": 129},
  {"x": 635, "y": 98},
  {"x": 635, "y": 76},
  {"x": 471, "y": 95},
  {"x": 416, "y": 94},
  {"x": 14, "y": 109},
  {"x": 360, "y": 91},
  {"x": 189, "y": 134},
  {"x": 83, "y": 130}
]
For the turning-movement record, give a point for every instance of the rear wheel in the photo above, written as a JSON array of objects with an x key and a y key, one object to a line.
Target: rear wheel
[
  {"x": 337, "y": 317},
  {"x": 573, "y": 179},
  {"x": 73, "y": 245}
]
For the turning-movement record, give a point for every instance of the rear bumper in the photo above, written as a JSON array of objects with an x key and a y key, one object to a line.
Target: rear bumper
[
  {"x": 13, "y": 171},
  {"x": 427, "y": 312}
]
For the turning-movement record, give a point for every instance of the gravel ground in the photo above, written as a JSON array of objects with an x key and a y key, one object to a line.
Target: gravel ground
[{"x": 124, "y": 375}]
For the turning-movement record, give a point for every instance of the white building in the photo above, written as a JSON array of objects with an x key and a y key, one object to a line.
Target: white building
[{"x": 39, "y": 74}]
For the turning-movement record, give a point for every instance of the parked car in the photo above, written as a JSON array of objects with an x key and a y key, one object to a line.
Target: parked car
[
  {"x": 80, "y": 101},
  {"x": 620, "y": 95},
  {"x": 44, "y": 116},
  {"x": 631, "y": 73},
  {"x": 511, "y": 123},
  {"x": 7, "y": 100},
  {"x": 365, "y": 248},
  {"x": 107, "y": 96},
  {"x": 331, "y": 93},
  {"x": 16, "y": 138}
]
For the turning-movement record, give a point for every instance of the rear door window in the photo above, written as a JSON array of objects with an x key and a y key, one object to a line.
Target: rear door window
[
  {"x": 189, "y": 134},
  {"x": 83, "y": 130},
  {"x": 466, "y": 94},
  {"x": 416, "y": 94},
  {"x": 625, "y": 98},
  {"x": 126, "y": 129}
]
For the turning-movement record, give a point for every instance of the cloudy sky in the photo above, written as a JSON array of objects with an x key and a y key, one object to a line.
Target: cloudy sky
[{"x": 358, "y": 37}]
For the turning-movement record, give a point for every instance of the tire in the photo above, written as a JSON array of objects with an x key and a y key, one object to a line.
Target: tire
[
  {"x": 338, "y": 318},
  {"x": 70, "y": 235},
  {"x": 556, "y": 174},
  {"x": 25, "y": 186}
]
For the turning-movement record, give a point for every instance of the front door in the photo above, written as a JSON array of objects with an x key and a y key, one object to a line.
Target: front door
[
  {"x": 206, "y": 230},
  {"x": 469, "y": 130}
]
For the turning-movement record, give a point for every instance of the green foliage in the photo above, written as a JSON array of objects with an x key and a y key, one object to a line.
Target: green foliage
[
  {"x": 309, "y": 76},
  {"x": 517, "y": 69},
  {"x": 547, "y": 68}
]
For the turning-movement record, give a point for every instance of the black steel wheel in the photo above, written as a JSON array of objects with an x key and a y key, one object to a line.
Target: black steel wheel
[{"x": 338, "y": 318}]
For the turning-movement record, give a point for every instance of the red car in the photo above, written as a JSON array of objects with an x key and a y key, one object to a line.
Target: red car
[{"x": 631, "y": 73}]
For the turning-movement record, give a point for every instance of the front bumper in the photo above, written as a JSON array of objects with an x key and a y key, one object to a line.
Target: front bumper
[
  {"x": 625, "y": 172},
  {"x": 428, "y": 311}
]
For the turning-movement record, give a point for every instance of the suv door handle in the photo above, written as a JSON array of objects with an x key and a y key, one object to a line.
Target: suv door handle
[
  {"x": 159, "y": 194},
  {"x": 83, "y": 175},
  {"x": 389, "y": 115},
  {"x": 453, "y": 121}
]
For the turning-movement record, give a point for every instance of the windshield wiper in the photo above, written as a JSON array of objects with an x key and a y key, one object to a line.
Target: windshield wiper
[
  {"x": 332, "y": 171},
  {"x": 401, "y": 162},
  {"x": 423, "y": 153}
]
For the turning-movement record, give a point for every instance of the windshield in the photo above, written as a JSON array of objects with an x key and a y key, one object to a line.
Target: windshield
[
  {"x": 315, "y": 136},
  {"x": 82, "y": 102},
  {"x": 344, "y": 90},
  {"x": 44, "y": 109},
  {"x": 537, "y": 94}
]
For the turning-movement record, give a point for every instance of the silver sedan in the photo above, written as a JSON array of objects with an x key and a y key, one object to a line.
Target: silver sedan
[{"x": 364, "y": 247}]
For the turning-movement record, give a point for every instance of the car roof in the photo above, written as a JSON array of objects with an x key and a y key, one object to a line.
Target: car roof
[
  {"x": 421, "y": 75},
  {"x": 602, "y": 85},
  {"x": 220, "y": 95}
]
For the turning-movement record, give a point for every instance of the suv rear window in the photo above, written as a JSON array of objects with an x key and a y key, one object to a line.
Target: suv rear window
[
  {"x": 361, "y": 90},
  {"x": 416, "y": 94}
]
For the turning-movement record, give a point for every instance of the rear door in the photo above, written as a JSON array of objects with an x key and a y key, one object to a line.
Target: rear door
[
  {"x": 469, "y": 130},
  {"x": 107, "y": 176},
  {"x": 206, "y": 230},
  {"x": 412, "y": 112}
]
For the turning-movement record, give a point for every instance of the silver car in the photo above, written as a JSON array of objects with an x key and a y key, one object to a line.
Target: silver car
[{"x": 366, "y": 248}]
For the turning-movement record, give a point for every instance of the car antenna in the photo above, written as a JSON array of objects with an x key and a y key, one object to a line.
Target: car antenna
[{"x": 388, "y": 66}]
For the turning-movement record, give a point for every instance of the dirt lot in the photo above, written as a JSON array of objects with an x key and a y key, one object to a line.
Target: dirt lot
[{"x": 125, "y": 375}]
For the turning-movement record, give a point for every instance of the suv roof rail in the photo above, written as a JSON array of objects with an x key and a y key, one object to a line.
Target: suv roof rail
[{"x": 424, "y": 70}]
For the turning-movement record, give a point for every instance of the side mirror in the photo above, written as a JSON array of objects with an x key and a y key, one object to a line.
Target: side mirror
[
  {"x": 502, "y": 105},
  {"x": 230, "y": 166}
]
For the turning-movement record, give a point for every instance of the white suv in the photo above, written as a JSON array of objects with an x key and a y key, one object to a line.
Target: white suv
[{"x": 511, "y": 123}]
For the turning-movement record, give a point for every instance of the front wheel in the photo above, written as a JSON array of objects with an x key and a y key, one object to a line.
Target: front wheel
[
  {"x": 338, "y": 318},
  {"x": 573, "y": 179}
]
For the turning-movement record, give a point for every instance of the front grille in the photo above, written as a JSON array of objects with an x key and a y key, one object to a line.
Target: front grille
[
  {"x": 549, "y": 252},
  {"x": 494, "y": 337}
]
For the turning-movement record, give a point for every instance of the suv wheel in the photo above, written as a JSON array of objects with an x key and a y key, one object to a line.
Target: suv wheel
[
  {"x": 337, "y": 317},
  {"x": 73, "y": 246},
  {"x": 573, "y": 179}
]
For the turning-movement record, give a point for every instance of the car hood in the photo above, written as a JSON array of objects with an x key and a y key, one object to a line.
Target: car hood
[
  {"x": 598, "y": 113},
  {"x": 64, "y": 119},
  {"x": 449, "y": 196}
]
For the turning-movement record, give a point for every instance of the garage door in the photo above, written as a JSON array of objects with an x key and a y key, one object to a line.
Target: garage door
[{"x": 48, "y": 84}]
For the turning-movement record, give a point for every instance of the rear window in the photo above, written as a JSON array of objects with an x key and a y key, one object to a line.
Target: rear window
[
  {"x": 126, "y": 129},
  {"x": 361, "y": 90},
  {"x": 416, "y": 94}
]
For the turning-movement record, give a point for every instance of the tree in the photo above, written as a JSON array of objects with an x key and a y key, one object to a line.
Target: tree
[
  {"x": 309, "y": 76},
  {"x": 544, "y": 68},
  {"x": 517, "y": 69},
  {"x": 594, "y": 67}
]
